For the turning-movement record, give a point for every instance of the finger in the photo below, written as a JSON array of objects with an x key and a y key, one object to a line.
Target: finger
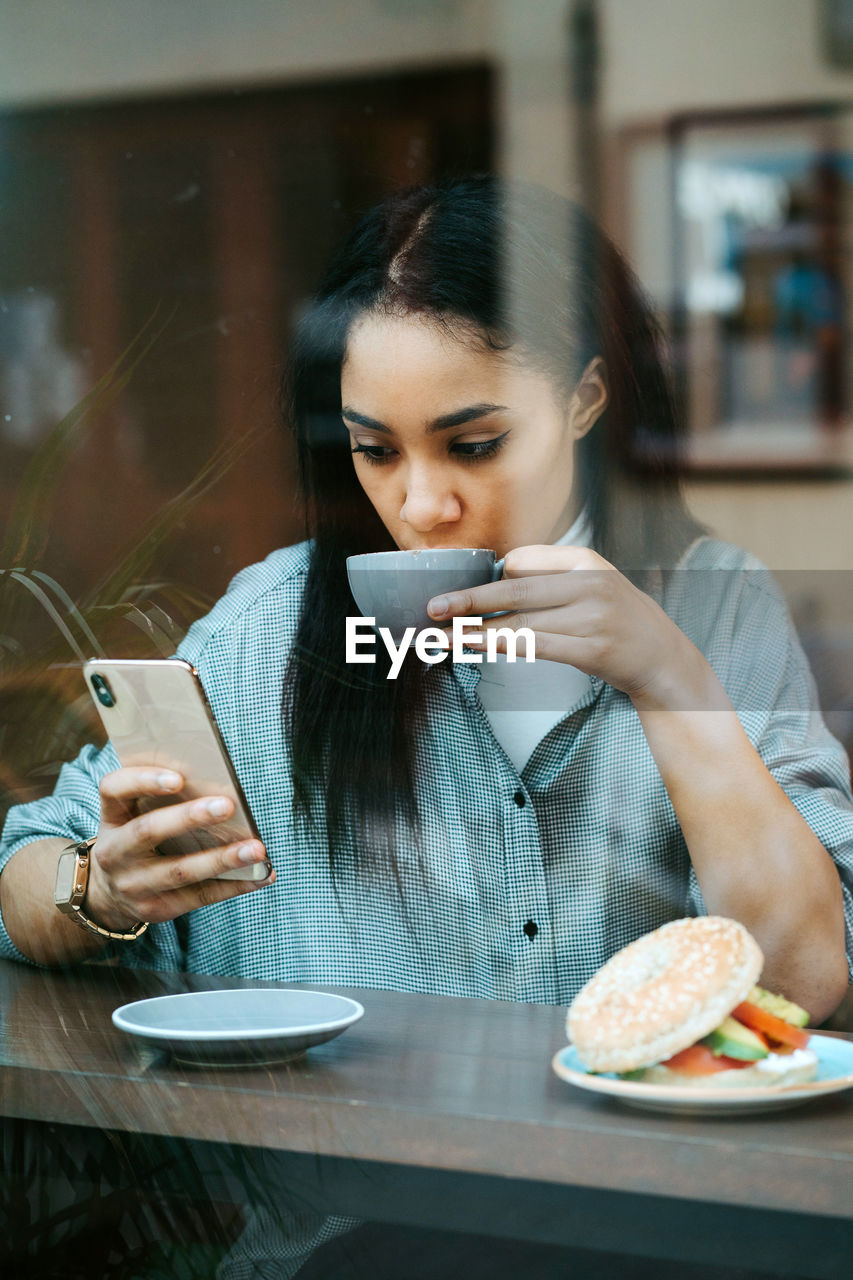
[
  {"x": 147, "y": 830},
  {"x": 580, "y": 620},
  {"x": 163, "y": 874},
  {"x": 576, "y": 651},
  {"x": 123, "y": 787},
  {"x": 512, "y": 595},
  {"x": 522, "y": 561},
  {"x": 157, "y": 908}
]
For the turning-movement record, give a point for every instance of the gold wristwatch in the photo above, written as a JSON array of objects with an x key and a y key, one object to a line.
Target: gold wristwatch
[{"x": 72, "y": 881}]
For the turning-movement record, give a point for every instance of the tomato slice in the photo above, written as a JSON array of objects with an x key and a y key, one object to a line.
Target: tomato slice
[
  {"x": 758, "y": 1019},
  {"x": 699, "y": 1060}
]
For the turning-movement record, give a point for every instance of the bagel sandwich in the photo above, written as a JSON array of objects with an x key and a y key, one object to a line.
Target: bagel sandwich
[{"x": 681, "y": 1006}]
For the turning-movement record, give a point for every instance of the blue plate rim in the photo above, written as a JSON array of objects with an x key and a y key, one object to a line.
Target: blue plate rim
[
  {"x": 614, "y": 1087},
  {"x": 120, "y": 1020}
]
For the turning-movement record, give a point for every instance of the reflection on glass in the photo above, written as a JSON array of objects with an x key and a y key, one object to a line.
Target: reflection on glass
[
  {"x": 478, "y": 369},
  {"x": 749, "y": 270},
  {"x": 762, "y": 273},
  {"x": 39, "y": 380}
]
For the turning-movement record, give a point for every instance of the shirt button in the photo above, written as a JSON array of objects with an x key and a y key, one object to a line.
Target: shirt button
[
  {"x": 531, "y": 929},
  {"x": 520, "y": 799}
]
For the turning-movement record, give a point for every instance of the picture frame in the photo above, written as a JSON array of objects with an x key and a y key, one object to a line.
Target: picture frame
[{"x": 736, "y": 224}]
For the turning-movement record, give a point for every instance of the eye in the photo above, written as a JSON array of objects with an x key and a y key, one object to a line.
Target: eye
[
  {"x": 374, "y": 453},
  {"x": 472, "y": 450}
]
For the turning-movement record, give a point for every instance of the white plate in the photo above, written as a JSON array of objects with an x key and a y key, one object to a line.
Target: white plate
[
  {"x": 834, "y": 1073},
  {"x": 255, "y": 1024}
]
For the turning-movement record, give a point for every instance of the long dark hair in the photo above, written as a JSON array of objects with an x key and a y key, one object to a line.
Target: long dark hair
[{"x": 510, "y": 266}]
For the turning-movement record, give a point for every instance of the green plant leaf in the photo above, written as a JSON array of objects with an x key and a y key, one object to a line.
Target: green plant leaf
[
  {"x": 43, "y": 715},
  {"x": 47, "y": 604},
  {"x": 161, "y": 636},
  {"x": 135, "y": 560},
  {"x": 72, "y": 609}
]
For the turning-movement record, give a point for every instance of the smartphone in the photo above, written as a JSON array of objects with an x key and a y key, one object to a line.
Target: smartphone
[{"x": 156, "y": 713}]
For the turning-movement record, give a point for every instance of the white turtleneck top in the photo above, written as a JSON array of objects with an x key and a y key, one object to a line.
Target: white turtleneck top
[{"x": 524, "y": 700}]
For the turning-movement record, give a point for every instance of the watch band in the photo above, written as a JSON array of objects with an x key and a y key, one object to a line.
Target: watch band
[{"x": 71, "y": 886}]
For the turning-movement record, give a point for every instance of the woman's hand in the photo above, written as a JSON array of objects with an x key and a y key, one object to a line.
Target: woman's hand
[
  {"x": 584, "y": 612},
  {"x": 129, "y": 881}
]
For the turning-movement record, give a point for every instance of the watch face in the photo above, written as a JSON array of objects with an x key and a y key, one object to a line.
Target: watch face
[{"x": 65, "y": 876}]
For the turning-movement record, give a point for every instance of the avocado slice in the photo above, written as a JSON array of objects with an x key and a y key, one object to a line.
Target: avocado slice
[
  {"x": 778, "y": 1006},
  {"x": 736, "y": 1041}
]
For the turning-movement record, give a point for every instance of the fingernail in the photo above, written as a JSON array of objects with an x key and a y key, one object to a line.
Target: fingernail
[
  {"x": 218, "y": 808},
  {"x": 168, "y": 781},
  {"x": 439, "y": 606},
  {"x": 250, "y": 853}
]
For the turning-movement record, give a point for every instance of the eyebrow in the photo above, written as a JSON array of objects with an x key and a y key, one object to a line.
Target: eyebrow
[{"x": 443, "y": 423}]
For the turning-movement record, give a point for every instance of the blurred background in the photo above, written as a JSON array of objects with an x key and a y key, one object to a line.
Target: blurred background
[{"x": 182, "y": 169}]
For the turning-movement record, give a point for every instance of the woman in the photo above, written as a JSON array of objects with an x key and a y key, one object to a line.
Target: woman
[{"x": 479, "y": 369}]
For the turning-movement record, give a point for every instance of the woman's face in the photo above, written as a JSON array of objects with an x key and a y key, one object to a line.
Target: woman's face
[{"x": 456, "y": 445}]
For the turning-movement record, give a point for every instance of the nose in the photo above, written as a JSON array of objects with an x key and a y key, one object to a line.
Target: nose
[{"x": 429, "y": 501}]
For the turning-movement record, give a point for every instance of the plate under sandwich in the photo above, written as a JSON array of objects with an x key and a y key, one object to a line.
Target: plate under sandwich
[{"x": 834, "y": 1073}]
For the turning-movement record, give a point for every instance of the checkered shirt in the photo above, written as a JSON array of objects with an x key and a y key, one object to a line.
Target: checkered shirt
[{"x": 529, "y": 881}]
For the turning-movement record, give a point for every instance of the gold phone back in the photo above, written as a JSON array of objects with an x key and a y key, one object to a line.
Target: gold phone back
[{"x": 161, "y": 720}]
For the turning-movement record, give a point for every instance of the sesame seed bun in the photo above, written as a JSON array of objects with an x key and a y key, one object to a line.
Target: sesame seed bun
[{"x": 663, "y": 993}]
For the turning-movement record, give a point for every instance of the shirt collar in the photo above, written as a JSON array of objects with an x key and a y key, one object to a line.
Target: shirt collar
[{"x": 580, "y": 533}]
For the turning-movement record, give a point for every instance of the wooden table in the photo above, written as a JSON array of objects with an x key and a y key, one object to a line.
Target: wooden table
[{"x": 445, "y": 1112}]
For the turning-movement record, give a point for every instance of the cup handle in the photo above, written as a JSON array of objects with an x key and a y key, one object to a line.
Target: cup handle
[{"x": 497, "y": 570}]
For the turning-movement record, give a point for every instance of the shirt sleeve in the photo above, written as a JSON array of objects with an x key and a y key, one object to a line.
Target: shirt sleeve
[
  {"x": 73, "y": 813},
  {"x": 763, "y": 668},
  {"x": 261, "y": 593}
]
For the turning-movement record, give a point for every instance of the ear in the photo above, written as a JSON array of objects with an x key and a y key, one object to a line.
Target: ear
[{"x": 589, "y": 398}]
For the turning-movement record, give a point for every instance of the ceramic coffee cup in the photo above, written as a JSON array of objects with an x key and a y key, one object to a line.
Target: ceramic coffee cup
[{"x": 395, "y": 587}]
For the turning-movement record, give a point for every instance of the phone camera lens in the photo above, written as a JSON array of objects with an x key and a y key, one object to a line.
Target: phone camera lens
[{"x": 103, "y": 692}]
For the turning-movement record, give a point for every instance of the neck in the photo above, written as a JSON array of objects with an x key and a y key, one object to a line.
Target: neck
[{"x": 568, "y": 516}]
